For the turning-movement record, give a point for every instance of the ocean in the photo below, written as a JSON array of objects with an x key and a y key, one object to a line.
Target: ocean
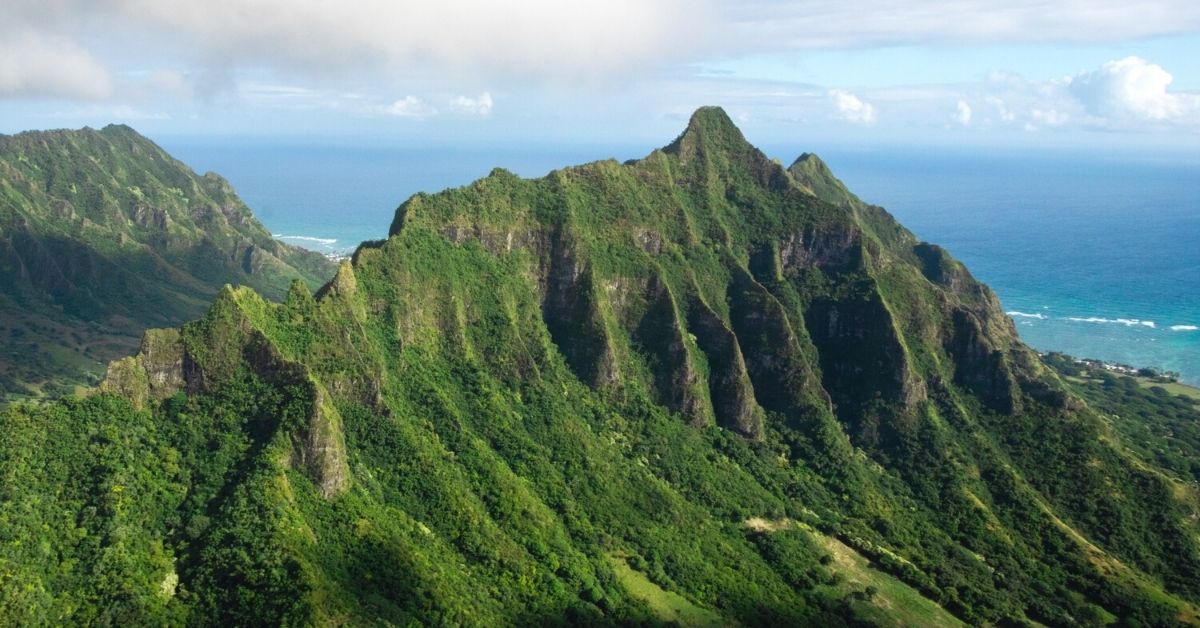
[{"x": 1094, "y": 254}]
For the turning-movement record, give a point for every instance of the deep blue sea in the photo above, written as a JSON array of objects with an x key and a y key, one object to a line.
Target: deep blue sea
[{"x": 1095, "y": 254}]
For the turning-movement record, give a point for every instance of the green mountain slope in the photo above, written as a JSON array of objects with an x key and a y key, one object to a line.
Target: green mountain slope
[
  {"x": 103, "y": 234},
  {"x": 693, "y": 387}
]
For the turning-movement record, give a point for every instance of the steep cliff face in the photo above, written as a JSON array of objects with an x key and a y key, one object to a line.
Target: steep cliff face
[
  {"x": 102, "y": 234},
  {"x": 715, "y": 238},
  {"x": 696, "y": 372}
]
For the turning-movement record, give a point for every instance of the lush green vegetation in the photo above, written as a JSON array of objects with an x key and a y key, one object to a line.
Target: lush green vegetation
[
  {"x": 693, "y": 388},
  {"x": 102, "y": 234},
  {"x": 1160, "y": 422}
]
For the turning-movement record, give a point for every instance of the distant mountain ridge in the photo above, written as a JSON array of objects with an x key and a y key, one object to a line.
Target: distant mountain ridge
[
  {"x": 103, "y": 234},
  {"x": 697, "y": 387}
]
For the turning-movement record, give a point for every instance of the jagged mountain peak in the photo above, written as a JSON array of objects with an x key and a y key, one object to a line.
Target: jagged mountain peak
[{"x": 709, "y": 129}]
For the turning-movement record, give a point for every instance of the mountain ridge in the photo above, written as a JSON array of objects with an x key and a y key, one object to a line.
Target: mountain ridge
[
  {"x": 690, "y": 363},
  {"x": 105, "y": 234}
]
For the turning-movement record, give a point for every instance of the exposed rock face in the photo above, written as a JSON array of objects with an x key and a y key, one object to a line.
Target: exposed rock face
[
  {"x": 230, "y": 342},
  {"x": 728, "y": 382},
  {"x": 940, "y": 268},
  {"x": 154, "y": 373},
  {"x": 836, "y": 248},
  {"x": 320, "y": 447},
  {"x": 778, "y": 366},
  {"x": 659, "y": 334},
  {"x": 860, "y": 349},
  {"x": 573, "y": 317},
  {"x": 982, "y": 366},
  {"x": 162, "y": 358}
]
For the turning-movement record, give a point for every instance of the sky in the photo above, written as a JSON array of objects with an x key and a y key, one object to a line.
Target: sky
[{"x": 1085, "y": 73}]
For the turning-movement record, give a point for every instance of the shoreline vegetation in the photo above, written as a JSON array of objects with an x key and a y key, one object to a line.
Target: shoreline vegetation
[{"x": 1089, "y": 370}]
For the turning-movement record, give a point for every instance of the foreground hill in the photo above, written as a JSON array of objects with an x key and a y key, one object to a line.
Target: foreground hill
[
  {"x": 103, "y": 234},
  {"x": 697, "y": 387}
]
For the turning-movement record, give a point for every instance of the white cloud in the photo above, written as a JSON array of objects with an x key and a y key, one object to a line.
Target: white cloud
[
  {"x": 851, "y": 108},
  {"x": 775, "y": 24},
  {"x": 409, "y": 107},
  {"x": 532, "y": 40},
  {"x": 1049, "y": 117},
  {"x": 37, "y": 66},
  {"x": 1002, "y": 110},
  {"x": 1132, "y": 89},
  {"x": 480, "y": 106},
  {"x": 962, "y": 113},
  {"x": 170, "y": 82},
  {"x": 522, "y": 39},
  {"x": 1130, "y": 94}
]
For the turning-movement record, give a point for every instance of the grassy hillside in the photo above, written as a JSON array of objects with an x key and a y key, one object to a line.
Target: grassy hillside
[
  {"x": 103, "y": 234},
  {"x": 688, "y": 387}
]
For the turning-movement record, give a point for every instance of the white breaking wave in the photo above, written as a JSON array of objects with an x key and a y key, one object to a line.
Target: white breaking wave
[
  {"x": 325, "y": 241},
  {"x": 1128, "y": 322},
  {"x": 1025, "y": 315},
  {"x": 1184, "y": 327}
]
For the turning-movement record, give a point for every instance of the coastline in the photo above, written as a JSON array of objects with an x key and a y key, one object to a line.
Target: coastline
[{"x": 1085, "y": 369}]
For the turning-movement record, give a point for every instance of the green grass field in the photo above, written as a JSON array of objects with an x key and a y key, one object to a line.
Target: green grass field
[
  {"x": 890, "y": 602},
  {"x": 1174, "y": 388},
  {"x": 668, "y": 606}
]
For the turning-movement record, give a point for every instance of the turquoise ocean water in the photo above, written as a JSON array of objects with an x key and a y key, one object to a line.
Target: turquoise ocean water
[{"x": 1094, "y": 254}]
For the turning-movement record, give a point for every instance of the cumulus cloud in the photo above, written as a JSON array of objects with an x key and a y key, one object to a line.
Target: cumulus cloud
[
  {"x": 851, "y": 108},
  {"x": 1132, "y": 89},
  {"x": 33, "y": 65},
  {"x": 962, "y": 113},
  {"x": 409, "y": 107},
  {"x": 480, "y": 106},
  {"x": 1129, "y": 94}
]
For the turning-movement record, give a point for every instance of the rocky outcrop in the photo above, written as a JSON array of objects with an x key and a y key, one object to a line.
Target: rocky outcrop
[
  {"x": 941, "y": 269},
  {"x": 208, "y": 354},
  {"x": 573, "y": 317},
  {"x": 835, "y": 247},
  {"x": 155, "y": 373},
  {"x": 777, "y": 365},
  {"x": 864, "y": 364},
  {"x": 319, "y": 447},
  {"x": 659, "y": 335},
  {"x": 980, "y": 365},
  {"x": 162, "y": 358},
  {"x": 729, "y": 384}
]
